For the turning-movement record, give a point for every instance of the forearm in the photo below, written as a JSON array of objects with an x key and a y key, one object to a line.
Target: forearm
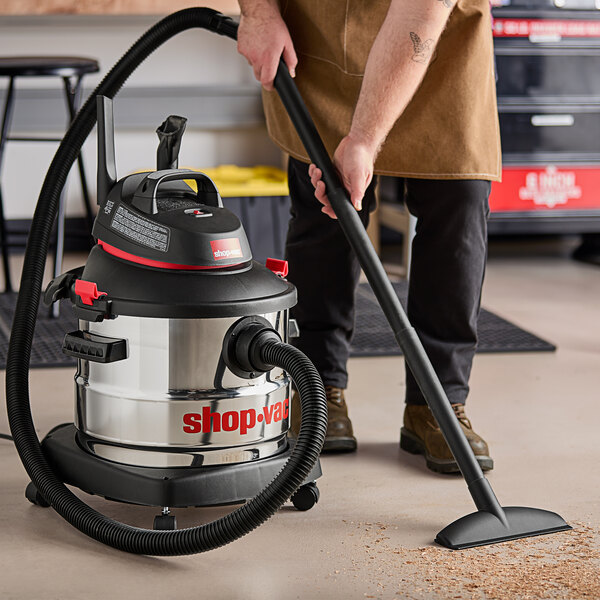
[
  {"x": 255, "y": 8},
  {"x": 396, "y": 65}
]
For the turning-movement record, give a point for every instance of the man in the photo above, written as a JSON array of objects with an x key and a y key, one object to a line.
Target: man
[{"x": 403, "y": 88}]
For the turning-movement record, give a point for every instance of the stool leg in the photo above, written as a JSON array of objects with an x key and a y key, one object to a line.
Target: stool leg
[
  {"x": 73, "y": 96},
  {"x": 6, "y": 118}
]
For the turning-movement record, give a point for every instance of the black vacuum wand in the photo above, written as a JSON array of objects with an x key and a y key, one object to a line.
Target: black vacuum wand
[{"x": 491, "y": 523}]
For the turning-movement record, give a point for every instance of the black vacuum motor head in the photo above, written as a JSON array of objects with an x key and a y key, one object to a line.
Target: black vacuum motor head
[{"x": 165, "y": 246}]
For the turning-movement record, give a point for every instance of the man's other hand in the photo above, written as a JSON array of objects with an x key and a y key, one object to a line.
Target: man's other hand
[{"x": 353, "y": 160}]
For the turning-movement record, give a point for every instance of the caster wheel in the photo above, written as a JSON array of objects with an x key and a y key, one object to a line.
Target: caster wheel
[
  {"x": 306, "y": 496},
  {"x": 32, "y": 494},
  {"x": 165, "y": 522}
]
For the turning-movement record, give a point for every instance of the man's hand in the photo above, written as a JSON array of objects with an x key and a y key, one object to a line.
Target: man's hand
[
  {"x": 353, "y": 160},
  {"x": 263, "y": 38}
]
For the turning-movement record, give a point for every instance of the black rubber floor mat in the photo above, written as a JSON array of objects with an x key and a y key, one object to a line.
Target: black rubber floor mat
[
  {"x": 46, "y": 351},
  {"x": 373, "y": 336}
]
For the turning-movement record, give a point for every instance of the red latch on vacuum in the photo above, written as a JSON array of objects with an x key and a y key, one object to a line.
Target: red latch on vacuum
[
  {"x": 279, "y": 267},
  {"x": 87, "y": 291}
]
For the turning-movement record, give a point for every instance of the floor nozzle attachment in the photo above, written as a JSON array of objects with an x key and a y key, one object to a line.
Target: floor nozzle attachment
[
  {"x": 481, "y": 528},
  {"x": 492, "y": 523}
]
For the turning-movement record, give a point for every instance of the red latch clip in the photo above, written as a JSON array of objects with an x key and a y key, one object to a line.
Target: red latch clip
[
  {"x": 87, "y": 291},
  {"x": 279, "y": 267}
]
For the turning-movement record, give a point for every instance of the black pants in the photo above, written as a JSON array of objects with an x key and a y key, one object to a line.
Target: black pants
[{"x": 448, "y": 263}]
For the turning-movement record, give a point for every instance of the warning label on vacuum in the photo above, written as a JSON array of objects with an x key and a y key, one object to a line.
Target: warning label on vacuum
[{"x": 140, "y": 230}]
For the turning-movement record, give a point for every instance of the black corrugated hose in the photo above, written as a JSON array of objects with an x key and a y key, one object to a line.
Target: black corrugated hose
[{"x": 70, "y": 507}]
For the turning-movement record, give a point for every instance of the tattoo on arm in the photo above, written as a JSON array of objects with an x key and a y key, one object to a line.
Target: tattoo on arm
[
  {"x": 422, "y": 49},
  {"x": 447, "y": 3}
]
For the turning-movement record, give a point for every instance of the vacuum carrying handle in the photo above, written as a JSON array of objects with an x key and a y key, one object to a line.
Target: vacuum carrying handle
[{"x": 144, "y": 198}]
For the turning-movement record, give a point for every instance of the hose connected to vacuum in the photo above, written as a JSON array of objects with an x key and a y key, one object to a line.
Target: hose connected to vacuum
[{"x": 272, "y": 352}]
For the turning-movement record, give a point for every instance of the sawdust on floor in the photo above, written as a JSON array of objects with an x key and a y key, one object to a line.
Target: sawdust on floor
[{"x": 565, "y": 566}]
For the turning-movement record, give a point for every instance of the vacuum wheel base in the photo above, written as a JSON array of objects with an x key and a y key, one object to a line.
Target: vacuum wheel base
[
  {"x": 306, "y": 496},
  {"x": 33, "y": 495},
  {"x": 165, "y": 523}
]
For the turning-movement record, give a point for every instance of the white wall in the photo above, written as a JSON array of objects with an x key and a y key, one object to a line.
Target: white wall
[{"x": 192, "y": 59}]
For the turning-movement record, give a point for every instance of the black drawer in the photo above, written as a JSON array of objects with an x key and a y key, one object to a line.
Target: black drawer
[
  {"x": 564, "y": 130},
  {"x": 548, "y": 73}
]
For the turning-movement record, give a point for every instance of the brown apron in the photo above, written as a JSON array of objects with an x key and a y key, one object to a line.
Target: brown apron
[{"x": 449, "y": 130}]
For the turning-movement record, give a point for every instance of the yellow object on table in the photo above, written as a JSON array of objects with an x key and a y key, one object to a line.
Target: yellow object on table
[{"x": 240, "y": 182}]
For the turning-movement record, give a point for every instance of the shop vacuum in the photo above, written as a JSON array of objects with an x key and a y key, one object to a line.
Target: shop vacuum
[{"x": 183, "y": 380}]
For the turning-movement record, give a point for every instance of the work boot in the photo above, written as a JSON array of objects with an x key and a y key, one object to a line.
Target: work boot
[
  {"x": 339, "y": 436},
  {"x": 422, "y": 435}
]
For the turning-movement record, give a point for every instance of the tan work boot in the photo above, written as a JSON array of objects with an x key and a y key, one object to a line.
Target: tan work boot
[
  {"x": 422, "y": 435},
  {"x": 339, "y": 436}
]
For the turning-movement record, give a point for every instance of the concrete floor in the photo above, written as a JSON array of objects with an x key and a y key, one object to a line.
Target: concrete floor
[{"x": 371, "y": 534}]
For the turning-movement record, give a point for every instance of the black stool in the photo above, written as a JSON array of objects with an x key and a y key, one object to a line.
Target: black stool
[{"x": 71, "y": 70}]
